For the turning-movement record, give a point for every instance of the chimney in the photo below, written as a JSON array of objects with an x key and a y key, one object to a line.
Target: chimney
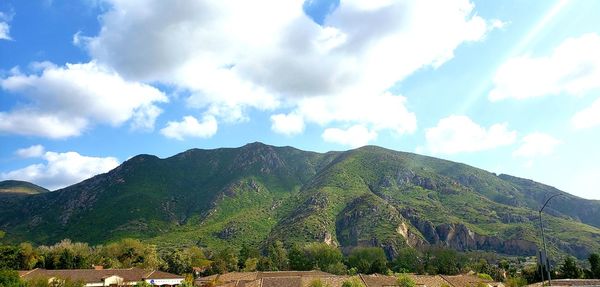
[{"x": 98, "y": 267}]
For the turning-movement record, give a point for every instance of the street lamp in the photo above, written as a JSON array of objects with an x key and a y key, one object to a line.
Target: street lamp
[{"x": 547, "y": 263}]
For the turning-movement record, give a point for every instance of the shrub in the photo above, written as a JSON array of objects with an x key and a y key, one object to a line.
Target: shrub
[{"x": 404, "y": 280}]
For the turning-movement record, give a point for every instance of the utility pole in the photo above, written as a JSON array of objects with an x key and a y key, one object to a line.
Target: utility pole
[{"x": 547, "y": 263}]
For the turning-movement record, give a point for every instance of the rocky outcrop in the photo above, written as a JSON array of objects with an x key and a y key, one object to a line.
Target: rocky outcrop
[{"x": 460, "y": 237}]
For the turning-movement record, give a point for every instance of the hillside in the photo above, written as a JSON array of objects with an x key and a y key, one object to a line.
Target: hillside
[
  {"x": 17, "y": 187},
  {"x": 258, "y": 193}
]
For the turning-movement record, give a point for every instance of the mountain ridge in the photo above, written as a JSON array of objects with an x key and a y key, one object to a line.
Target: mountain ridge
[{"x": 257, "y": 193}]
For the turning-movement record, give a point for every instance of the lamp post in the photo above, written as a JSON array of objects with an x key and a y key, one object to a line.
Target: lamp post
[{"x": 547, "y": 263}]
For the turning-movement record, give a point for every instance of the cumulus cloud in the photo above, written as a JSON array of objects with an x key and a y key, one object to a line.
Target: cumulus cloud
[
  {"x": 64, "y": 101},
  {"x": 378, "y": 112},
  {"x": 62, "y": 169},
  {"x": 190, "y": 127},
  {"x": 354, "y": 136},
  {"x": 456, "y": 134},
  {"x": 535, "y": 145},
  {"x": 232, "y": 56},
  {"x": 572, "y": 68},
  {"x": 588, "y": 117},
  {"x": 32, "y": 151},
  {"x": 290, "y": 124}
]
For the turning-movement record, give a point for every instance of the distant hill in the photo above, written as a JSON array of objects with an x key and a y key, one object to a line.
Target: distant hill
[
  {"x": 20, "y": 187},
  {"x": 258, "y": 193}
]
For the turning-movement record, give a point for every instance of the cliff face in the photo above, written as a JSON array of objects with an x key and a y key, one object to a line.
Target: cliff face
[{"x": 258, "y": 193}]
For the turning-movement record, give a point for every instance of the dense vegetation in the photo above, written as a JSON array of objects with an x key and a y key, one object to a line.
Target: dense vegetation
[
  {"x": 275, "y": 257},
  {"x": 287, "y": 202}
]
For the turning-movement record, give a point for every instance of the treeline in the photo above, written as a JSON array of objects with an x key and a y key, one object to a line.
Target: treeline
[
  {"x": 569, "y": 268},
  {"x": 276, "y": 257}
]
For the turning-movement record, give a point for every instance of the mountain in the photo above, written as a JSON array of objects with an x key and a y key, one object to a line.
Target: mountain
[
  {"x": 17, "y": 187},
  {"x": 258, "y": 193}
]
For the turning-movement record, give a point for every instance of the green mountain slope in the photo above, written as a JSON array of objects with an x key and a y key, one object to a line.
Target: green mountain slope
[
  {"x": 258, "y": 193},
  {"x": 17, "y": 187}
]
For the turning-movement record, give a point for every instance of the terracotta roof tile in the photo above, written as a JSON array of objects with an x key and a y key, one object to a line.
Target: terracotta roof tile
[{"x": 92, "y": 275}]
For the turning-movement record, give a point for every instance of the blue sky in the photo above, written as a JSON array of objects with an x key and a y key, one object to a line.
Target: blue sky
[{"x": 508, "y": 86}]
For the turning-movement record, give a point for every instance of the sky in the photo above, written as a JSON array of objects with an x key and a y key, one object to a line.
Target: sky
[{"x": 508, "y": 86}]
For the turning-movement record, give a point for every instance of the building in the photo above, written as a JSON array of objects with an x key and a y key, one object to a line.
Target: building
[
  {"x": 304, "y": 278},
  {"x": 105, "y": 277}
]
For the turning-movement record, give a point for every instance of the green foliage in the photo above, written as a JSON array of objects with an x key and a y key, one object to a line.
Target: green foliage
[
  {"x": 250, "y": 264},
  {"x": 485, "y": 276},
  {"x": 368, "y": 260},
  {"x": 407, "y": 261},
  {"x": 337, "y": 268},
  {"x": 318, "y": 283},
  {"x": 515, "y": 282},
  {"x": 247, "y": 252},
  {"x": 353, "y": 282},
  {"x": 9, "y": 278},
  {"x": 225, "y": 260},
  {"x": 130, "y": 253},
  {"x": 443, "y": 261},
  {"x": 594, "y": 260},
  {"x": 569, "y": 269},
  {"x": 258, "y": 194},
  {"x": 278, "y": 255},
  {"x": 403, "y": 280},
  {"x": 317, "y": 256}
]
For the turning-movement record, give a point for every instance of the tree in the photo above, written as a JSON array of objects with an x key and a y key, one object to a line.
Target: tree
[
  {"x": 569, "y": 269},
  {"x": 224, "y": 261},
  {"x": 247, "y": 252},
  {"x": 131, "y": 253},
  {"x": 321, "y": 256},
  {"x": 9, "y": 278},
  {"x": 278, "y": 255},
  {"x": 250, "y": 265},
  {"x": 407, "y": 261},
  {"x": 404, "y": 280},
  {"x": 298, "y": 260},
  {"x": 9, "y": 257},
  {"x": 594, "y": 260},
  {"x": 265, "y": 264},
  {"x": 443, "y": 261},
  {"x": 368, "y": 260},
  {"x": 178, "y": 262}
]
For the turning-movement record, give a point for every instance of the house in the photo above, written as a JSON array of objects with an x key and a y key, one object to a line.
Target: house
[
  {"x": 105, "y": 277},
  {"x": 304, "y": 278}
]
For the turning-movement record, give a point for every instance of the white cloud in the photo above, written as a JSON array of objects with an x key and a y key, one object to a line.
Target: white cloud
[
  {"x": 290, "y": 124},
  {"x": 32, "y": 151},
  {"x": 4, "y": 27},
  {"x": 588, "y": 117},
  {"x": 354, "y": 136},
  {"x": 572, "y": 68},
  {"x": 377, "y": 112},
  {"x": 4, "y": 31},
  {"x": 190, "y": 127},
  {"x": 62, "y": 169},
  {"x": 64, "y": 101},
  {"x": 456, "y": 134},
  {"x": 232, "y": 56},
  {"x": 535, "y": 145}
]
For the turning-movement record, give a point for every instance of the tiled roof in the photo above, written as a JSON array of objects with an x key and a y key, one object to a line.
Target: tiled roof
[
  {"x": 92, "y": 275},
  {"x": 282, "y": 282},
  {"x": 378, "y": 280},
  {"x": 332, "y": 280}
]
